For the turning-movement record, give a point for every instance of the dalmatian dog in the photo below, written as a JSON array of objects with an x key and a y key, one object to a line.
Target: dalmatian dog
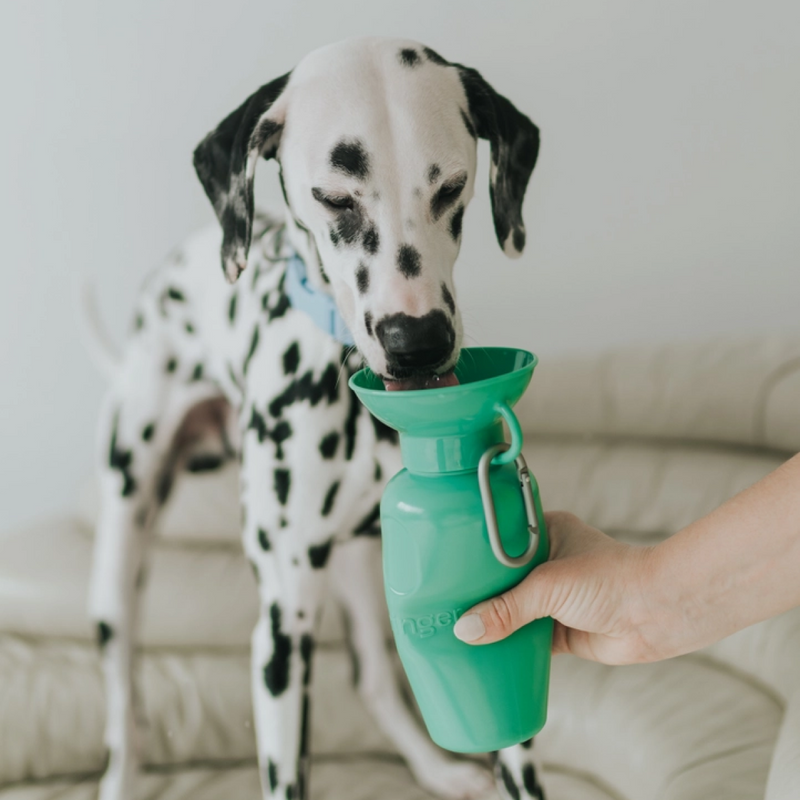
[{"x": 376, "y": 145}]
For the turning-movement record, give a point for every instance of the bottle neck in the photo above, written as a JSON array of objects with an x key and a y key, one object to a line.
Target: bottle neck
[{"x": 431, "y": 455}]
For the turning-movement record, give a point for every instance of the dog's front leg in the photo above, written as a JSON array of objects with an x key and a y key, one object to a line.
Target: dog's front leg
[
  {"x": 517, "y": 775},
  {"x": 287, "y": 546}
]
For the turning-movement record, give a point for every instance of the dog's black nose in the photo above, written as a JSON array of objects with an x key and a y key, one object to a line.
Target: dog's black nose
[{"x": 416, "y": 343}]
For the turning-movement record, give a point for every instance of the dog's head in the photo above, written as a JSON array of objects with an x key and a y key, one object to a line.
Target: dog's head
[{"x": 376, "y": 141}]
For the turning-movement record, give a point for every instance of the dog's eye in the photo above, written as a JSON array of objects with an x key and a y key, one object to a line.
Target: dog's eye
[
  {"x": 447, "y": 195},
  {"x": 333, "y": 202},
  {"x": 450, "y": 191}
]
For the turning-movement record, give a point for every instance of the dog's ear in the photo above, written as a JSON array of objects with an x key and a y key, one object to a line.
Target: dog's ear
[
  {"x": 225, "y": 162},
  {"x": 514, "y": 141}
]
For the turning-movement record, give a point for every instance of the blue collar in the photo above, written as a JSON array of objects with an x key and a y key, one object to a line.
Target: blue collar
[{"x": 318, "y": 305}]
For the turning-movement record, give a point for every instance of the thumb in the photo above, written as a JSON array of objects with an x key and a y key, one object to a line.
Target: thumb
[{"x": 498, "y": 617}]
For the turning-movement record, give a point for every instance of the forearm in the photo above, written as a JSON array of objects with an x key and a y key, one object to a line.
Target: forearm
[{"x": 730, "y": 569}]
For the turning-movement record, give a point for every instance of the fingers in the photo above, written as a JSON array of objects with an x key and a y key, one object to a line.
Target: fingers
[{"x": 500, "y": 616}]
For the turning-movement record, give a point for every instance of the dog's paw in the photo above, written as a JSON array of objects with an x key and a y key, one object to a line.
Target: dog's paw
[{"x": 457, "y": 780}]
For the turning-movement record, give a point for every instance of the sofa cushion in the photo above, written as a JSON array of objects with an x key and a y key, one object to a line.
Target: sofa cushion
[
  {"x": 202, "y": 595},
  {"x": 202, "y": 508},
  {"x": 365, "y": 777},
  {"x": 681, "y": 729},
  {"x": 741, "y": 392}
]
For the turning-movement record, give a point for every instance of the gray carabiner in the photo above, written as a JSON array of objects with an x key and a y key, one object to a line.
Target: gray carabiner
[{"x": 491, "y": 515}]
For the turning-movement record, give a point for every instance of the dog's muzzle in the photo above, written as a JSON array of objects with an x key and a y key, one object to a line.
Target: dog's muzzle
[{"x": 416, "y": 347}]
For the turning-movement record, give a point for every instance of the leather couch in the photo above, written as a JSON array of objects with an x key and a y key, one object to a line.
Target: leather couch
[{"x": 638, "y": 442}]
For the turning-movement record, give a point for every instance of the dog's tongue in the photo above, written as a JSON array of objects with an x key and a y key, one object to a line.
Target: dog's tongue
[{"x": 421, "y": 382}]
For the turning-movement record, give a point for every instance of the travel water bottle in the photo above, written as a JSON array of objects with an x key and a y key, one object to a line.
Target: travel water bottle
[{"x": 463, "y": 522}]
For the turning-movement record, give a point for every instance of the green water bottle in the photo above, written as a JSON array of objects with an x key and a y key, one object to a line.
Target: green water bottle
[{"x": 463, "y": 522}]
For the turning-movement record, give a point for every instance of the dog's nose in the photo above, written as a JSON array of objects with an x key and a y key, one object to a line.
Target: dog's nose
[{"x": 416, "y": 343}]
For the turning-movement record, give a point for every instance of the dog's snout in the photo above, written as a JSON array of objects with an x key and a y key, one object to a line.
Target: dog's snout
[{"x": 416, "y": 343}]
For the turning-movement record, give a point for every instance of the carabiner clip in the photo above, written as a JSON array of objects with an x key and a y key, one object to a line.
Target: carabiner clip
[{"x": 491, "y": 515}]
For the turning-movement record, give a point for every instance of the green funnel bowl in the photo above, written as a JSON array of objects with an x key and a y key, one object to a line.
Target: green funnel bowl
[{"x": 448, "y": 429}]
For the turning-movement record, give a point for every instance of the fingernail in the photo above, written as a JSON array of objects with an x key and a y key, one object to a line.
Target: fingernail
[{"x": 469, "y": 628}]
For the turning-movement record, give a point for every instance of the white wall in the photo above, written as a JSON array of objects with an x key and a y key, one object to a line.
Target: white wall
[{"x": 665, "y": 203}]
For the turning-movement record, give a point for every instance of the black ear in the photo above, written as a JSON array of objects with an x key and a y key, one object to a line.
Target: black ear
[
  {"x": 515, "y": 145},
  {"x": 225, "y": 162}
]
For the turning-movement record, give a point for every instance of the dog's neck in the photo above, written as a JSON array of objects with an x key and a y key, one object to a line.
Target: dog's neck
[
  {"x": 302, "y": 242},
  {"x": 319, "y": 306}
]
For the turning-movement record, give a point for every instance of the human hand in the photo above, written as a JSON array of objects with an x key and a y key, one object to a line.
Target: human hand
[{"x": 594, "y": 587}]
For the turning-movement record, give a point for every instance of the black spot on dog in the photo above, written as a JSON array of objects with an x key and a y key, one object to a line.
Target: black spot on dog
[
  {"x": 291, "y": 359},
  {"x": 276, "y": 672},
  {"x": 350, "y": 426},
  {"x": 138, "y": 322},
  {"x": 434, "y": 171},
  {"x": 305, "y": 716},
  {"x": 259, "y": 425},
  {"x": 175, "y": 294},
  {"x": 368, "y": 323},
  {"x": 189, "y": 328},
  {"x": 318, "y": 554},
  {"x": 434, "y": 57},
  {"x": 351, "y": 158},
  {"x": 121, "y": 460},
  {"x": 276, "y": 304},
  {"x": 527, "y": 744},
  {"x": 378, "y": 473},
  {"x": 519, "y": 239},
  {"x": 409, "y": 57},
  {"x": 384, "y": 432},
  {"x": 204, "y": 462},
  {"x": 272, "y": 775},
  {"x": 508, "y": 781},
  {"x": 306, "y": 388},
  {"x": 251, "y": 351},
  {"x": 283, "y": 480},
  {"x": 148, "y": 431},
  {"x": 448, "y": 298},
  {"x": 371, "y": 241},
  {"x": 329, "y": 444},
  {"x": 408, "y": 261},
  {"x": 172, "y": 365},
  {"x": 369, "y": 526},
  {"x": 334, "y": 236},
  {"x": 280, "y": 308},
  {"x": 279, "y": 434},
  {"x": 306, "y": 653},
  {"x": 362, "y": 279},
  {"x": 468, "y": 124},
  {"x": 263, "y": 540},
  {"x": 455, "y": 223},
  {"x": 330, "y": 497},
  {"x": 283, "y": 523},
  {"x": 531, "y": 783},
  {"x": 232, "y": 308},
  {"x": 104, "y": 633}
]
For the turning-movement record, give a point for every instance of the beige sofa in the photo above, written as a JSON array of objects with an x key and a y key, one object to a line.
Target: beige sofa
[{"x": 637, "y": 442}]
